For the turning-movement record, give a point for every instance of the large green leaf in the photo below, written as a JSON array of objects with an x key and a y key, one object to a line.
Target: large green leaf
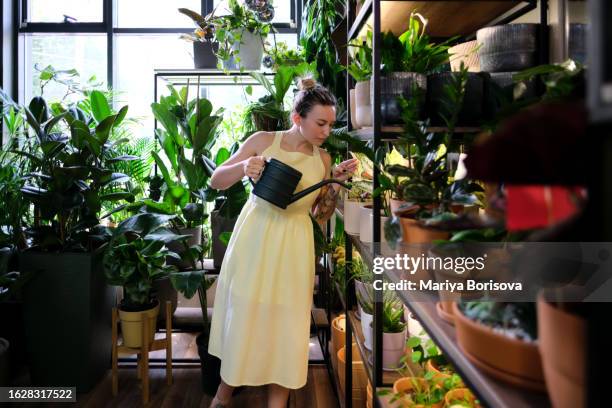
[
  {"x": 163, "y": 169},
  {"x": 205, "y": 137},
  {"x": 80, "y": 136},
  {"x": 100, "y": 107},
  {"x": 165, "y": 118},
  {"x": 39, "y": 110},
  {"x": 282, "y": 82},
  {"x": 104, "y": 128},
  {"x": 195, "y": 175},
  {"x": 261, "y": 78},
  {"x": 142, "y": 224},
  {"x": 120, "y": 115},
  {"x": 222, "y": 155},
  {"x": 187, "y": 283},
  {"x": 170, "y": 148}
]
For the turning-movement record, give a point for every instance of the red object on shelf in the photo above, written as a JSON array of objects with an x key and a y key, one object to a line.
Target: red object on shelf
[{"x": 538, "y": 206}]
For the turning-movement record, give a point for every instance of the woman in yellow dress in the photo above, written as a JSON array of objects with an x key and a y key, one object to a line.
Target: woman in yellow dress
[{"x": 261, "y": 320}]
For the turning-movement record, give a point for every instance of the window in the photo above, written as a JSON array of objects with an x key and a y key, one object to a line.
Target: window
[
  {"x": 155, "y": 13},
  {"x": 45, "y": 11},
  {"x": 85, "y": 53}
]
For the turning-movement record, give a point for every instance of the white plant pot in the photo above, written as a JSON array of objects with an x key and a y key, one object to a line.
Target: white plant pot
[
  {"x": 363, "y": 107},
  {"x": 366, "y": 320},
  {"x": 414, "y": 326},
  {"x": 354, "y": 122},
  {"x": 366, "y": 225},
  {"x": 250, "y": 52},
  {"x": 351, "y": 215},
  {"x": 394, "y": 348}
]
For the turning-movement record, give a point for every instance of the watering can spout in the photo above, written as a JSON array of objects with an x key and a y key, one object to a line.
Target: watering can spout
[{"x": 317, "y": 186}]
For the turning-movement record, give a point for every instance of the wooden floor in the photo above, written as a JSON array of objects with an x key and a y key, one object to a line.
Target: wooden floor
[{"x": 186, "y": 390}]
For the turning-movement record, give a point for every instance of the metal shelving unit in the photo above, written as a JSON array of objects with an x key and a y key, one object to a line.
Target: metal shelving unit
[{"x": 446, "y": 18}]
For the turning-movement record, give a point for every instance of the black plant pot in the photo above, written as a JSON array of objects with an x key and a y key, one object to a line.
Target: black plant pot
[
  {"x": 220, "y": 224},
  {"x": 394, "y": 86},
  {"x": 204, "y": 54},
  {"x": 501, "y": 91},
  {"x": 211, "y": 366},
  {"x": 67, "y": 318},
  {"x": 472, "y": 111},
  {"x": 509, "y": 47},
  {"x": 266, "y": 123}
]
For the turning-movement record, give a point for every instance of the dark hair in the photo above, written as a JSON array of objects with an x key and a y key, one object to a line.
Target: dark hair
[{"x": 311, "y": 94}]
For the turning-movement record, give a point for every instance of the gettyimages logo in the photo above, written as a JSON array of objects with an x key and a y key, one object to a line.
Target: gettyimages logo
[{"x": 412, "y": 264}]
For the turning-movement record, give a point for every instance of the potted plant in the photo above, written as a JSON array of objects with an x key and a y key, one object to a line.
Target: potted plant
[
  {"x": 69, "y": 160},
  {"x": 242, "y": 33},
  {"x": 461, "y": 398},
  {"x": 394, "y": 333},
  {"x": 417, "y": 392},
  {"x": 134, "y": 259},
  {"x": 269, "y": 113},
  {"x": 407, "y": 60},
  {"x": 360, "y": 69},
  {"x": 359, "y": 195},
  {"x": 188, "y": 134},
  {"x": 484, "y": 328},
  {"x": 280, "y": 55},
  {"x": 205, "y": 47}
]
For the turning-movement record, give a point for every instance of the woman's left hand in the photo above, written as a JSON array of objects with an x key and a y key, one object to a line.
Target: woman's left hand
[{"x": 345, "y": 170}]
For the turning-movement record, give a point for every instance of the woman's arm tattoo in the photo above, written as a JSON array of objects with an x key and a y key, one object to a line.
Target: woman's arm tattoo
[{"x": 326, "y": 204}]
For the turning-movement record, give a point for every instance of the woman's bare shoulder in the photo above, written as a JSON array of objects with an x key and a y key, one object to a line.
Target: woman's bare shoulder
[
  {"x": 260, "y": 141},
  {"x": 326, "y": 158}
]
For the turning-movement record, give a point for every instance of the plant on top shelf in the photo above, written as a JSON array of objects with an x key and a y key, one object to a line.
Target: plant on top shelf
[
  {"x": 360, "y": 67},
  {"x": 413, "y": 50},
  {"x": 269, "y": 113},
  {"x": 244, "y": 28},
  {"x": 280, "y": 55}
]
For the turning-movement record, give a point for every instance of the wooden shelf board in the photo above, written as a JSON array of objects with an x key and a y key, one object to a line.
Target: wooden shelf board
[
  {"x": 490, "y": 391},
  {"x": 445, "y": 18},
  {"x": 390, "y": 133}
]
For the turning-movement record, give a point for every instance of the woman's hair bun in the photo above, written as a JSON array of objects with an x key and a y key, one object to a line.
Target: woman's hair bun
[{"x": 306, "y": 84}]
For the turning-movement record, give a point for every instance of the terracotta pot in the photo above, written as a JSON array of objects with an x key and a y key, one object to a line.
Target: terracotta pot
[
  {"x": 519, "y": 364},
  {"x": 466, "y": 53},
  {"x": 359, "y": 375},
  {"x": 444, "y": 308},
  {"x": 562, "y": 334},
  {"x": 439, "y": 376},
  {"x": 338, "y": 338},
  {"x": 131, "y": 325},
  {"x": 366, "y": 225},
  {"x": 461, "y": 395},
  {"x": 414, "y": 233},
  {"x": 405, "y": 387},
  {"x": 363, "y": 108},
  {"x": 394, "y": 348},
  {"x": 354, "y": 122}
]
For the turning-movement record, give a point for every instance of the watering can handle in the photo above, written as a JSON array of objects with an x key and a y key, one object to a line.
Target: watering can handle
[{"x": 251, "y": 180}]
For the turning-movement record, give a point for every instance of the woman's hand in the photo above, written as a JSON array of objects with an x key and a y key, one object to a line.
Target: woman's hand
[
  {"x": 345, "y": 170},
  {"x": 253, "y": 166}
]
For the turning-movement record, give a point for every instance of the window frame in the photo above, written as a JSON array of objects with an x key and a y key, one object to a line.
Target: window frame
[{"x": 107, "y": 26}]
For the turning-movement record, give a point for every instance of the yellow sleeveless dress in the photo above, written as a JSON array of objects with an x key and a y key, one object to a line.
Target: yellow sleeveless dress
[{"x": 261, "y": 320}]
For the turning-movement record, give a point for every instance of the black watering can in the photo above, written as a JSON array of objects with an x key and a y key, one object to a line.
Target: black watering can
[{"x": 278, "y": 182}]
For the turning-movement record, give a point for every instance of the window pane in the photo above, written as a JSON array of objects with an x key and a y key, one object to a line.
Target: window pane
[
  {"x": 136, "y": 58},
  {"x": 282, "y": 9},
  {"x": 84, "y": 52},
  {"x": 84, "y": 11},
  {"x": 155, "y": 13}
]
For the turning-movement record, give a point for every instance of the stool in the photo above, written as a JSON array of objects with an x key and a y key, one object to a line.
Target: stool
[{"x": 142, "y": 353}]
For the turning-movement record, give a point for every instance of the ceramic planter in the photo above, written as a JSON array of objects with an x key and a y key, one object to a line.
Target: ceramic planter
[
  {"x": 519, "y": 364},
  {"x": 509, "y": 47},
  {"x": 472, "y": 110},
  {"x": 467, "y": 53},
  {"x": 444, "y": 308},
  {"x": 353, "y": 102},
  {"x": 414, "y": 326},
  {"x": 562, "y": 334},
  {"x": 352, "y": 212},
  {"x": 459, "y": 396},
  {"x": 132, "y": 325},
  {"x": 414, "y": 233},
  {"x": 363, "y": 105},
  {"x": 204, "y": 56},
  {"x": 395, "y": 85},
  {"x": 366, "y": 328},
  {"x": 338, "y": 338},
  {"x": 366, "y": 225},
  {"x": 67, "y": 304},
  {"x": 250, "y": 52},
  {"x": 394, "y": 348}
]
